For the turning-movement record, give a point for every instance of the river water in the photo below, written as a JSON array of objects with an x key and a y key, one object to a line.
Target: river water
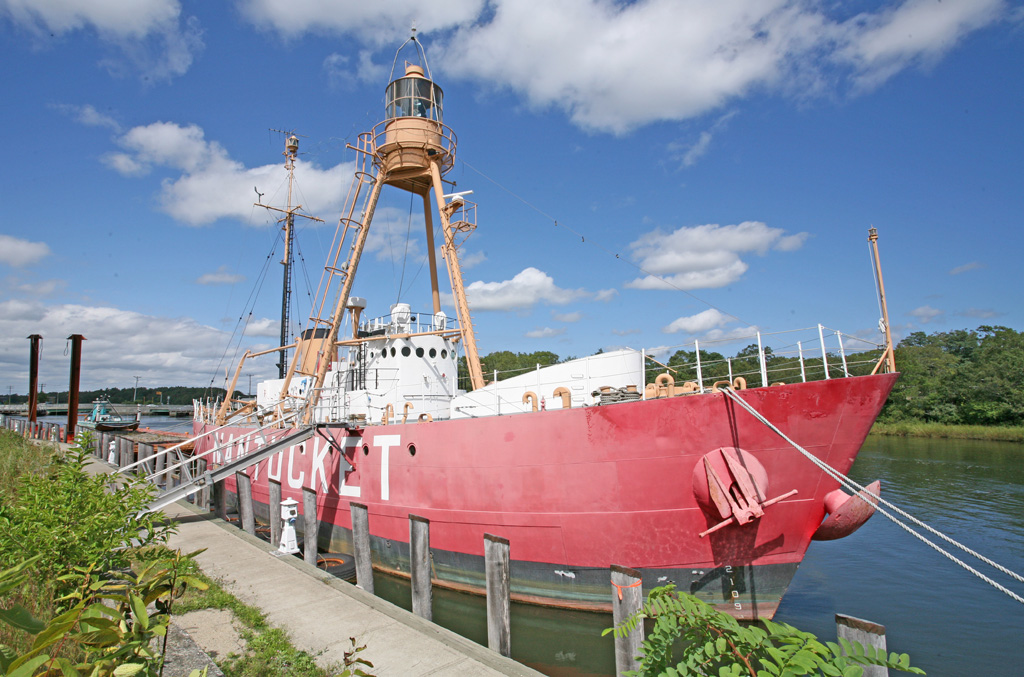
[{"x": 950, "y": 622}]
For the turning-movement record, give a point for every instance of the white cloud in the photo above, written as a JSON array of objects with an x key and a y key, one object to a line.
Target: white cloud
[
  {"x": 545, "y": 332},
  {"x": 17, "y": 252},
  {"x": 704, "y": 257},
  {"x": 472, "y": 259},
  {"x": 341, "y": 73},
  {"x": 211, "y": 185},
  {"x": 221, "y": 276},
  {"x": 980, "y": 313},
  {"x": 605, "y": 295},
  {"x": 926, "y": 314},
  {"x": 689, "y": 154},
  {"x": 119, "y": 345},
  {"x": 527, "y": 288},
  {"x": 264, "y": 327},
  {"x": 151, "y": 35},
  {"x": 881, "y": 44},
  {"x": 615, "y": 66},
  {"x": 973, "y": 265},
  {"x": 567, "y": 317},
  {"x": 698, "y": 324},
  {"x": 381, "y": 22},
  {"x": 89, "y": 116}
]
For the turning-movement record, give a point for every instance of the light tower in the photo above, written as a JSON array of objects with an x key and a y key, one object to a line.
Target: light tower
[{"x": 411, "y": 149}]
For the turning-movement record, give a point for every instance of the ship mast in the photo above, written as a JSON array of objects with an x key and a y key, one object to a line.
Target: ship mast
[
  {"x": 291, "y": 150},
  {"x": 889, "y": 356}
]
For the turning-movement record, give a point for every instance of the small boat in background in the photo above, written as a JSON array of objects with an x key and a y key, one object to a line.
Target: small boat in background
[{"x": 104, "y": 418}]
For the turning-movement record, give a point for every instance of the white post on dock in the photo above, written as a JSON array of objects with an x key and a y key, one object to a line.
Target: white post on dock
[
  {"x": 868, "y": 634},
  {"x": 275, "y": 512},
  {"x": 245, "y": 513},
  {"x": 499, "y": 596},
  {"x": 627, "y": 598},
  {"x": 310, "y": 525},
  {"x": 419, "y": 567},
  {"x": 361, "y": 546}
]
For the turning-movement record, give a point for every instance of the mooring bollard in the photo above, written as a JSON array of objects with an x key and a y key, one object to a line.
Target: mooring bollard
[
  {"x": 867, "y": 633},
  {"x": 245, "y": 512},
  {"x": 499, "y": 595},
  {"x": 361, "y": 545},
  {"x": 627, "y": 598},
  {"x": 310, "y": 525},
  {"x": 419, "y": 567},
  {"x": 275, "y": 512}
]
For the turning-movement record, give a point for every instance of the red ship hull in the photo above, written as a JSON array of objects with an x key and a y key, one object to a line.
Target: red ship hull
[{"x": 578, "y": 490}]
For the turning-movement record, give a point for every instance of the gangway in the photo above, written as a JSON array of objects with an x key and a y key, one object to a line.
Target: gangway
[{"x": 191, "y": 484}]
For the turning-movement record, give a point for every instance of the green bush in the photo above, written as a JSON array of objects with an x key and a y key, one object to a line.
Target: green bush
[
  {"x": 72, "y": 519},
  {"x": 690, "y": 637}
]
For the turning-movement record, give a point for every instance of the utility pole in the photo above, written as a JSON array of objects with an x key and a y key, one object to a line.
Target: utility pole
[{"x": 136, "y": 391}]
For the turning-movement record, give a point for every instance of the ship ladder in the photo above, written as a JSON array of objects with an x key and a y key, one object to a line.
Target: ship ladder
[{"x": 864, "y": 493}]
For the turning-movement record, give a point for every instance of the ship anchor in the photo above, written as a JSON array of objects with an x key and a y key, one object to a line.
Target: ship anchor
[{"x": 741, "y": 499}]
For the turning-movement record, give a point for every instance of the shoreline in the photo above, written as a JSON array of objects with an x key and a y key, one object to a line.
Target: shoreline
[{"x": 956, "y": 432}]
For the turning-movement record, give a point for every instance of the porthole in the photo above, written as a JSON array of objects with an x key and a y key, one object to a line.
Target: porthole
[
  {"x": 392, "y": 352},
  {"x": 406, "y": 352},
  {"x": 444, "y": 354},
  {"x": 419, "y": 352},
  {"x": 366, "y": 450},
  {"x": 412, "y": 449},
  {"x": 433, "y": 352}
]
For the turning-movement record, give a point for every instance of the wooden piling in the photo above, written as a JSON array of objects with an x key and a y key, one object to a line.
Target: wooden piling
[
  {"x": 245, "y": 513},
  {"x": 361, "y": 545},
  {"x": 203, "y": 495},
  {"x": 867, "y": 633},
  {"x": 146, "y": 456},
  {"x": 275, "y": 512},
  {"x": 419, "y": 567},
  {"x": 161, "y": 466},
  {"x": 310, "y": 525},
  {"x": 220, "y": 500},
  {"x": 627, "y": 598},
  {"x": 499, "y": 600}
]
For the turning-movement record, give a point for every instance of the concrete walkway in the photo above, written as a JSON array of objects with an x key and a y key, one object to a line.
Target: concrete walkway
[{"x": 321, "y": 612}]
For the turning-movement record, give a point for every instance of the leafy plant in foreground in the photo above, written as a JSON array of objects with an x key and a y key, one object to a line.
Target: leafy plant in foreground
[
  {"x": 118, "y": 625},
  {"x": 72, "y": 518},
  {"x": 714, "y": 643}
]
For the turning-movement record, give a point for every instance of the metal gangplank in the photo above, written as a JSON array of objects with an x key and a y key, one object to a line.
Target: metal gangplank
[{"x": 191, "y": 484}]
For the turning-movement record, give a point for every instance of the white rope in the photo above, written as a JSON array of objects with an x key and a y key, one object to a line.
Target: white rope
[{"x": 843, "y": 479}]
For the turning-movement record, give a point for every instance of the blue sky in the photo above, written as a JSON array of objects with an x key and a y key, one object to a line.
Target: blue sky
[{"x": 738, "y": 150}]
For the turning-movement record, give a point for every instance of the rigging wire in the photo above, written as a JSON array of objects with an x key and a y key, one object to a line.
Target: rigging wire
[
  {"x": 846, "y": 481},
  {"x": 600, "y": 246},
  {"x": 405, "y": 256}
]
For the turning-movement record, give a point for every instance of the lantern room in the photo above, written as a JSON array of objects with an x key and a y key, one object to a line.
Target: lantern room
[{"x": 413, "y": 96}]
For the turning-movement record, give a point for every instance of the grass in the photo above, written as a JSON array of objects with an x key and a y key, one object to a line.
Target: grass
[
  {"x": 269, "y": 650},
  {"x": 19, "y": 457},
  {"x": 956, "y": 432}
]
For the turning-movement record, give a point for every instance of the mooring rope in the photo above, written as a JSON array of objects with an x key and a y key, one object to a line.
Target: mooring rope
[{"x": 843, "y": 479}]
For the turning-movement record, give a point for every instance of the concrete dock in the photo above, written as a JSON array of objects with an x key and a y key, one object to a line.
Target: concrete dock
[{"x": 321, "y": 612}]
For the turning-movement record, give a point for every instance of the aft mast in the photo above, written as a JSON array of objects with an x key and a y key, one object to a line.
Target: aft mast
[
  {"x": 412, "y": 149},
  {"x": 291, "y": 150}
]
